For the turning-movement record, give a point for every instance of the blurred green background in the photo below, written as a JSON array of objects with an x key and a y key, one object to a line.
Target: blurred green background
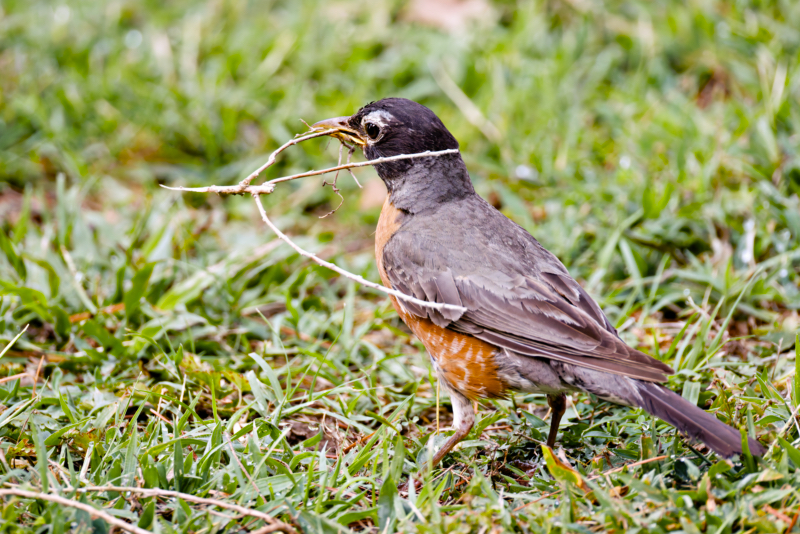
[{"x": 654, "y": 147}]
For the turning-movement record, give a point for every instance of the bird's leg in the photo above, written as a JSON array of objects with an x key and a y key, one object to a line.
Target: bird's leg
[
  {"x": 438, "y": 385},
  {"x": 558, "y": 405},
  {"x": 463, "y": 419}
]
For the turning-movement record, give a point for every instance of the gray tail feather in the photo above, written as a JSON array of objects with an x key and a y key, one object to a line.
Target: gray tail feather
[{"x": 692, "y": 421}]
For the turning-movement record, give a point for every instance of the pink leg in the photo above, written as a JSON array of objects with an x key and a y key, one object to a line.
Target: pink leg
[{"x": 464, "y": 418}]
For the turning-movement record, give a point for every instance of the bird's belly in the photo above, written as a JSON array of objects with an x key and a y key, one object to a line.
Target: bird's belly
[
  {"x": 478, "y": 369},
  {"x": 466, "y": 364}
]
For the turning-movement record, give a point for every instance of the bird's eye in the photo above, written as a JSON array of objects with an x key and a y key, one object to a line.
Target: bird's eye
[{"x": 372, "y": 130}]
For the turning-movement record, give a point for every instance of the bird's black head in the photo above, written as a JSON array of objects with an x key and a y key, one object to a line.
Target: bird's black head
[{"x": 395, "y": 126}]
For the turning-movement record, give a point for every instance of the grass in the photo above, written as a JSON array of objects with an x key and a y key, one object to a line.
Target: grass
[{"x": 173, "y": 343}]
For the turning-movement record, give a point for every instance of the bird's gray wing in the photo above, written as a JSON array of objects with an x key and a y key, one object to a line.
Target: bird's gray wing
[{"x": 539, "y": 311}]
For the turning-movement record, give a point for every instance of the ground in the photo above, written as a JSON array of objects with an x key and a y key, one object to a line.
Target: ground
[{"x": 174, "y": 343}]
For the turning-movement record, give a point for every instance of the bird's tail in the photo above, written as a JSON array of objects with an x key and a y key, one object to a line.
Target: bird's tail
[{"x": 692, "y": 421}]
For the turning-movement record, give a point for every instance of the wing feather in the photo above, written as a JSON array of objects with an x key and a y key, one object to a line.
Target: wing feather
[{"x": 534, "y": 308}]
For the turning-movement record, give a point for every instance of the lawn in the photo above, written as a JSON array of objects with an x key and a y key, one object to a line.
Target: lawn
[{"x": 170, "y": 342}]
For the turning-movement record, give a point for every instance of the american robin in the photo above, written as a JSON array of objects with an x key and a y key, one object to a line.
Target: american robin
[{"x": 528, "y": 325}]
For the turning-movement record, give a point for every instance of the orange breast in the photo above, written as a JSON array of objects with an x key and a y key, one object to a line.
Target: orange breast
[{"x": 466, "y": 363}]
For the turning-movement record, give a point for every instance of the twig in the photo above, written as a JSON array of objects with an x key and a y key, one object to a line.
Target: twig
[
  {"x": 157, "y": 414},
  {"x": 239, "y": 189},
  {"x": 348, "y": 274},
  {"x": 794, "y": 520},
  {"x": 193, "y": 498},
  {"x": 91, "y": 510},
  {"x": 112, "y": 309},
  {"x": 783, "y": 517},
  {"x": 268, "y": 187},
  {"x": 350, "y": 150},
  {"x": 244, "y": 471},
  {"x": 271, "y": 161},
  {"x": 356, "y": 442},
  {"x": 333, "y": 183},
  {"x": 546, "y": 495},
  {"x": 36, "y": 378},
  {"x": 426, "y": 154},
  {"x": 12, "y": 377}
]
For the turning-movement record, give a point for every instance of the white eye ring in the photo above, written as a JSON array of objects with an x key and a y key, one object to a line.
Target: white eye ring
[
  {"x": 373, "y": 130},
  {"x": 379, "y": 119}
]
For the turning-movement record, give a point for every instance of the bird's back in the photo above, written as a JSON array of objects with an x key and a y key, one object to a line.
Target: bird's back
[{"x": 517, "y": 294}]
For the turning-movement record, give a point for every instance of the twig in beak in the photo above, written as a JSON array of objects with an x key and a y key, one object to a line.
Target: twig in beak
[
  {"x": 271, "y": 161},
  {"x": 268, "y": 187},
  {"x": 350, "y": 155},
  {"x": 333, "y": 183}
]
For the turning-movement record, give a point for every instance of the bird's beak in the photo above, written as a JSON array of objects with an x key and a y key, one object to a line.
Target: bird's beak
[{"x": 341, "y": 130}]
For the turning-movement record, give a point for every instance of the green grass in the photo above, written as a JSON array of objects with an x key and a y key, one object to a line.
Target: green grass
[{"x": 654, "y": 147}]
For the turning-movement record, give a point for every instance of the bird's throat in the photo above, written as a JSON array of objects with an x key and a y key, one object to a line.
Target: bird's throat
[{"x": 427, "y": 183}]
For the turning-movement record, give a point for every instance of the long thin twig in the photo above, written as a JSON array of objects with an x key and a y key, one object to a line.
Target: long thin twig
[
  {"x": 244, "y": 185},
  {"x": 271, "y": 160},
  {"x": 348, "y": 274},
  {"x": 89, "y": 509},
  {"x": 377, "y": 161},
  {"x": 12, "y": 377},
  {"x": 239, "y": 189},
  {"x": 193, "y": 498},
  {"x": 36, "y": 377},
  {"x": 268, "y": 187},
  {"x": 333, "y": 182},
  {"x": 350, "y": 150},
  {"x": 244, "y": 471}
]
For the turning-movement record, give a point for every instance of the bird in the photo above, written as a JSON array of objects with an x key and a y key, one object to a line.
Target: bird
[{"x": 518, "y": 321}]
